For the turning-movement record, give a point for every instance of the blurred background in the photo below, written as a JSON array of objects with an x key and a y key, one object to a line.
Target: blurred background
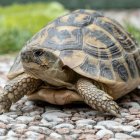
[{"x": 20, "y": 19}]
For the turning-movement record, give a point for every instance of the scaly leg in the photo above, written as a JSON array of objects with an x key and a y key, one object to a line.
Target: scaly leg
[
  {"x": 96, "y": 98},
  {"x": 16, "y": 89},
  {"x": 53, "y": 96}
]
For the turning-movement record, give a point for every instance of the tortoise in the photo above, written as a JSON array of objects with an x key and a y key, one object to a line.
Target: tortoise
[{"x": 81, "y": 56}]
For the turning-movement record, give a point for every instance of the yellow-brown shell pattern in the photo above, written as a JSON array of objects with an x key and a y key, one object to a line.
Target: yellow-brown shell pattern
[{"x": 92, "y": 45}]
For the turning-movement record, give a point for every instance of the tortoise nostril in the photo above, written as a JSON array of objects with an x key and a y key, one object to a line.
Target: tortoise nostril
[{"x": 38, "y": 53}]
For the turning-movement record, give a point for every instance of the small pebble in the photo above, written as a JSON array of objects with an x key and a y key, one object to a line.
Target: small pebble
[
  {"x": 86, "y": 121},
  {"x": 63, "y": 131},
  {"x": 6, "y": 119},
  {"x": 45, "y": 123},
  {"x": 64, "y": 125},
  {"x": 2, "y": 132},
  {"x": 32, "y": 134},
  {"x": 99, "y": 127},
  {"x": 52, "y": 118},
  {"x": 38, "y": 129},
  {"x": 135, "y": 122},
  {"x": 123, "y": 128},
  {"x": 3, "y": 125},
  {"x": 55, "y": 136},
  {"x": 108, "y": 124},
  {"x": 11, "y": 133},
  {"x": 88, "y": 137},
  {"x": 102, "y": 133},
  {"x": 18, "y": 126},
  {"x": 122, "y": 135},
  {"x": 136, "y": 134},
  {"x": 25, "y": 119},
  {"x": 28, "y": 103}
]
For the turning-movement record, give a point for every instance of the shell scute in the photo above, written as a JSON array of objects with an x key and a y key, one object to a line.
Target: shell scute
[
  {"x": 120, "y": 70},
  {"x": 63, "y": 38}
]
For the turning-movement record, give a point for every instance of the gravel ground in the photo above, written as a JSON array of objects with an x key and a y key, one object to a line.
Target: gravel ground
[{"x": 29, "y": 120}]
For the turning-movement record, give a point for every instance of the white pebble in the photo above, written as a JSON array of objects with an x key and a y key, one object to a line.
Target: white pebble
[
  {"x": 136, "y": 134},
  {"x": 104, "y": 132},
  {"x": 38, "y": 129},
  {"x": 25, "y": 119},
  {"x": 122, "y": 135},
  {"x": 86, "y": 121},
  {"x": 6, "y": 119},
  {"x": 2, "y": 132},
  {"x": 55, "y": 136},
  {"x": 64, "y": 125}
]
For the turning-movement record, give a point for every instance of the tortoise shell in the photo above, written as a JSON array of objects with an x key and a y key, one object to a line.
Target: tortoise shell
[{"x": 91, "y": 44}]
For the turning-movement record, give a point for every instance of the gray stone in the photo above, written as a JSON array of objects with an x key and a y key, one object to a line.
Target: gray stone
[
  {"x": 55, "y": 136},
  {"x": 8, "y": 138},
  {"x": 11, "y": 133},
  {"x": 34, "y": 113},
  {"x": 28, "y": 103},
  {"x": 64, "y": 125},
  {"x": 136, "y": 134},
  {"x": 74, "y": 136},
  {"x": 53, "y": 119},
  {"x": 12, "y": 114},
  {"x": 86, "y": 121},
  {"x": 122, "y": 135},
  {"x": 131, "y": 104},
  {"x": 99, "y": 127},
  {"x": 92, "y": 113},
  {"x": 108, "y": 124},
  {"x": 25, "y": 119},
  {"x": 56, "y": 114},
  {"x": 124, "y": 128},
  {"x": 31, "y": 134},
  {"x": 45, "y": 123},
  {"x": 135, "y": 122},
  {"x": 115, "y": 126},
  {"x": 84, "y": 126},
  {"x": 6, "y": 119},
  {"x": 2, "y": 132},
  {"x": 38, "y": 129},
  {"x": 18, "y": 126},
  {"x": 102, "y": 133}
]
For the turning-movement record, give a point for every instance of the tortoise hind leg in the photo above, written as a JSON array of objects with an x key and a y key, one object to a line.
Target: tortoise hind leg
[
  {"x": 16, "y": 89},
  {"x": 53, "y": 96},
  {"x": 96, "y": 98}
]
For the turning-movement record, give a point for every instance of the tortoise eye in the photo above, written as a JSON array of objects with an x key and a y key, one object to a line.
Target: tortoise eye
[{"x": 38, "y": 53}]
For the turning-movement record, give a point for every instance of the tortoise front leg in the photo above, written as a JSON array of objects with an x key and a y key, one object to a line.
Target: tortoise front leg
[
  {"x": 54, "y": 96},
  {"x": 97, "y": 98},
  {"x": 16, "y": 89}
]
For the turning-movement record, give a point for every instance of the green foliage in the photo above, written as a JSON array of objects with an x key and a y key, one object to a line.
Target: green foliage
[
  {"x": 134, "y": 31},
  {"x": 19, "y": 22}
]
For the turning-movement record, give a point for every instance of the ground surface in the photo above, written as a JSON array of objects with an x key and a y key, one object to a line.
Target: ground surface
[{"x": 28, "y": 120}]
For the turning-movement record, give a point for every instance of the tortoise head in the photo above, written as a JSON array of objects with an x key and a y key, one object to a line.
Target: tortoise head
[{"x": 40, "y": 62}]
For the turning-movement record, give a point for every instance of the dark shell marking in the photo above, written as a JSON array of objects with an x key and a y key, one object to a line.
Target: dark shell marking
[
  {"x": 123, "y": 38},
  {"x": 120, "y": 69},
  {"x": 78, "y": 18},
  {"x": 102, "y": 53},
  {"x": 105, "y": 71},
  {"x": 77, "y": 31},
  {"x": 89, "y": 67},
  {"x": 64, "y": 39},
  {"x": 137, "y": 60},
  {"x": 131, "y": 65}
]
